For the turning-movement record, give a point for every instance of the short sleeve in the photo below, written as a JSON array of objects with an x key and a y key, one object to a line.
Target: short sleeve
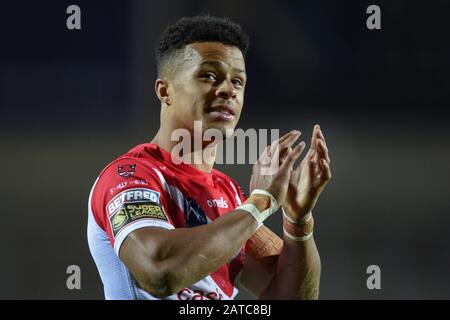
[
  {"x": 240, "y": 199},
  {"x": 127, "y": 196},
  {"x": 239, "y": 193}
]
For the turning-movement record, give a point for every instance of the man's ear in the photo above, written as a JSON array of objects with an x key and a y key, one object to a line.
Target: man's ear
[{"x": 162, "y": 91}]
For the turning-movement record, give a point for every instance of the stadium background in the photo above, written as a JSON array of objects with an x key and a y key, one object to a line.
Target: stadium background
[{"x": 71, "y": 101}]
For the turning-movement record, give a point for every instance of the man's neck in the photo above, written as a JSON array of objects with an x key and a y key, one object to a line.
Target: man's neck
[{"x": 200, "y": 159}]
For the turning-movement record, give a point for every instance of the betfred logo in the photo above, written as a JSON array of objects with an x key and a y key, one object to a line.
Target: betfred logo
[
  {"x": 220, "y": 203},
  {"x": 132, "y": 196}
]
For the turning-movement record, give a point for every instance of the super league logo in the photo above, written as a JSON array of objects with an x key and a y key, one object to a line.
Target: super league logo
[{"x": 126, "y": 170}]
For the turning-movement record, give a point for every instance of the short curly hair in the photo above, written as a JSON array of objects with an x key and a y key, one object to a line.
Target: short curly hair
[{"x": 200, "y": 28}]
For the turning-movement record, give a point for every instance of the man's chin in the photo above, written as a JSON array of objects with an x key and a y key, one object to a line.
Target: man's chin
[
  {"x": 224, "y": 131},
  {"x": 213, "y": 130}
]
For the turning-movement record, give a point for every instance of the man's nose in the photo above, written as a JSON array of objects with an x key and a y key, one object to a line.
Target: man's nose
[{"x": 226, "y": 90}]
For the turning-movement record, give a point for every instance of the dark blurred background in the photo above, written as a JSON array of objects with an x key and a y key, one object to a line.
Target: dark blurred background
[{"x": 72, "y": 101}]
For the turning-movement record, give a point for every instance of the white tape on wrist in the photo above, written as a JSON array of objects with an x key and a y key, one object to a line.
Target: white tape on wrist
[
  {"x": 266, "y": 193},
  {"x": 250, "y": 208},
  {"x": 299, "y": 239},
  {"x": 260, "y": 216},
  {"x": 303, "y": 220}
]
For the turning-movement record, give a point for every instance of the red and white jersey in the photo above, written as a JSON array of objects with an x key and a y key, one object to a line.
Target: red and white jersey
[{"x": 144, "y": 188}]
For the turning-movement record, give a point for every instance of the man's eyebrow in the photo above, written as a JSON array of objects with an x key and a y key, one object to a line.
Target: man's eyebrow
[{"x": 220, "y": 65}]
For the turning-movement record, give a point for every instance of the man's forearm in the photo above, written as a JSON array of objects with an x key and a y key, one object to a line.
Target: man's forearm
[
  {"x": 165, "y": 261},
  {"x": 192, "y": 254},
  {"x": 297, "y": 274},
  {"x": 173, "y": 259}
]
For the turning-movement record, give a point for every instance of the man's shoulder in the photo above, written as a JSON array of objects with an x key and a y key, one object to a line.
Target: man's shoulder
[
  {"x": 126, "y": 162},
  {"x": 133, "y": 168}
]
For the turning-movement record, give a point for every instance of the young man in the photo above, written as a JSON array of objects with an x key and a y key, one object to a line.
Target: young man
[{"x": 162, "y": 230}]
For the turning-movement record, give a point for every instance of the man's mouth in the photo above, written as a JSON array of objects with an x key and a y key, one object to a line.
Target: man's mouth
[{"x": 222, "y": 112}]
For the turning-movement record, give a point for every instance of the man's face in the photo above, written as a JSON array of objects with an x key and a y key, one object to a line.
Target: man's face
[{"x": 208, "y": 86}]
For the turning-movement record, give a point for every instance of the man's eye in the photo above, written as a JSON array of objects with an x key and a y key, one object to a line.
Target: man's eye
[
  {"x": 238, "y": 82},
  {"x": 209, "y": 76}
]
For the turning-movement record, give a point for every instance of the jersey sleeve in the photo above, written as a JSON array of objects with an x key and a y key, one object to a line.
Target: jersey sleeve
[
  {"x": 240, "y": 199},
  {"x": 239, "y": 193},
  {"x": 127, "y": 196}
]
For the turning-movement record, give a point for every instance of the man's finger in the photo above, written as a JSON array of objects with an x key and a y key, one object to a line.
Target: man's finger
[
  {"x": 327, "y": 170},
  {"x": 271, "y": 148},
  {"x": 314, "y": 136},
  {"x": 322, "y": 148},
  {"x": 293, "y": 156},
  {"x": 286, "y": 143},
  {"x": 284, "y": 137},
  {"x": 312, "y": 161},
  {"x": 284, "y": 153},
  {"x": 321, "y": 136},
  {"x": 313, "y": 155},
  {"x": 290, "y": 141},
  {"x": 296, "y": 175}
]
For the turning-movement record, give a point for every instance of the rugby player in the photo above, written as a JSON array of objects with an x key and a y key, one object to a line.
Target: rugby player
[{"x": 159, "y": 229}]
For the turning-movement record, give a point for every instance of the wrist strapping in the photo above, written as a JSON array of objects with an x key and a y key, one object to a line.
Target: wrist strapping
[
  {"x": 300, "y": 239},
  {"x": 300, "y": 230},
  {"x": 260, "y": 216},
  {"x": 302, "y": 220}
]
